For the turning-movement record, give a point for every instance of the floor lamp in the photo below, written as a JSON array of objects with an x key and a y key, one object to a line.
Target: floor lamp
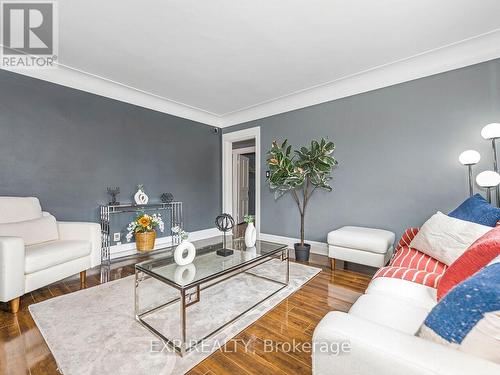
[
  {"x": 492, "y": 131},
  {"x": 488, "y": 180},
  {"x": 469, "y": 158}
]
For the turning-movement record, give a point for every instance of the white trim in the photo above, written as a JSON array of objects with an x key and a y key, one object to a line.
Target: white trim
[
  {"x": 78, "y": 79},
  {"x": 320, "y": 248},
  {"x": 244, "y": 150},
  {"x": 457, "y": 55},
  {"x": 227, "y": 169},
  {"x": 128, "y": 248}
]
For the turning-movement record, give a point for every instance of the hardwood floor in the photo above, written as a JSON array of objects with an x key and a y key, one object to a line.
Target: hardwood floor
[{"x": 24, "y": 351}]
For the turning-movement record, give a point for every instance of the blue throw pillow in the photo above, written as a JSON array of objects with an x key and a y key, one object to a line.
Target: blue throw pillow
[
  {"x": 477, "y": 210},
  {"x": 468, "y": 317}
]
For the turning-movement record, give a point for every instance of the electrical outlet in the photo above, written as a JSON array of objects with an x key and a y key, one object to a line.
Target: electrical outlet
[{"x": 117, "y": 236}]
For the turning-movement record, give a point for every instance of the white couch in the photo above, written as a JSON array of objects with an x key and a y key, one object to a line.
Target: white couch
[
  {"x": 380, "y": 331},
  {"x": 36, "y": 250}
]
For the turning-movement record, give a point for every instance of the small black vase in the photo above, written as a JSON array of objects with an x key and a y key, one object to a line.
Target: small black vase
[{"x": 302, "y": 252}]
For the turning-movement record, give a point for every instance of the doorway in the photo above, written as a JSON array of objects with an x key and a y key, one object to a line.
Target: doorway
[{"x": 241, "y": 177}]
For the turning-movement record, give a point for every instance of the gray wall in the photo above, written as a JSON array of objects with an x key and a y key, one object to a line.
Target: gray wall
[
  {"x": 397, "y": 149},
  {"x": 66, "y": 146}
]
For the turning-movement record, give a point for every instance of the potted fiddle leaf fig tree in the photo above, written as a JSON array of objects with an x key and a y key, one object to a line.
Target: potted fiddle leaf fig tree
[{"x": 300, "y": 173}]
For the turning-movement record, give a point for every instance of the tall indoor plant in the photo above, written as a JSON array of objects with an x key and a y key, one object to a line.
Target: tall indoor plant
[{"x": 300, "y": 173}]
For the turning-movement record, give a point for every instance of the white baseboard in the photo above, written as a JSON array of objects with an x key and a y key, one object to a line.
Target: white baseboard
[
  {"x": 125, "y": 249},
  {"x": 320, "y": 248}
]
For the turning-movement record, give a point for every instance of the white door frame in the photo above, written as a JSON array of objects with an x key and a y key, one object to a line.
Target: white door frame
[{"x": 227, "y": 169}]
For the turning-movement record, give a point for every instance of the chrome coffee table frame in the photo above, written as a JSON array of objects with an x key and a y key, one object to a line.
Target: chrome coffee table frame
[{"x": 191, "y": 294}]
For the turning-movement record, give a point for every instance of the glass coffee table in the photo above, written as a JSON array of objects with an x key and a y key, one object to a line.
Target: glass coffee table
[{"x": 167, "y": 295}]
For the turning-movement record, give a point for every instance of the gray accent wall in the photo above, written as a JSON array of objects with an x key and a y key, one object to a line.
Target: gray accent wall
[
  {"x": 66, "y": 146},
  {"x": 397, "y": 149}
]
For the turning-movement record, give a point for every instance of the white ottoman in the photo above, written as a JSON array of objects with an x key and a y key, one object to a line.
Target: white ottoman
[{"x": 368, "y": 246}]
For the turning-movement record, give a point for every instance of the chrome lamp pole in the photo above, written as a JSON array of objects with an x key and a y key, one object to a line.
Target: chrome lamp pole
[
  {"x": 469, "y": 158},
  {"x": 492, "y": 131}
]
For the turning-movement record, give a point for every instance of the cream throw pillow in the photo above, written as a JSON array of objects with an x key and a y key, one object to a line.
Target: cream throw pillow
[
  {"x": 446, "y": 238},
  {"x": 32, "y": 231}
]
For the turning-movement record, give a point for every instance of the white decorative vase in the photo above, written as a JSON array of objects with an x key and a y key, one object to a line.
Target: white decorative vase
[
  {"x": 140, "y": 197},
  {"x": 185, "y": 274},
  {"x": 250, "y": 235},
  {"x": 184, "y": 253}
]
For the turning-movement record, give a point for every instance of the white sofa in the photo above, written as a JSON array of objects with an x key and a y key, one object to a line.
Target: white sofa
[
  {"x": 36, "y": 250},
  {"x": 380, "y": 331}
]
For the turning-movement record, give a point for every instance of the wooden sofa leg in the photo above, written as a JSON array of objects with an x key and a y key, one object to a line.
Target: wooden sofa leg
[
  {"x": 332, "y": 264},
  {"x": 83, "y": 279},
  {"x": 14, "y": 305}
]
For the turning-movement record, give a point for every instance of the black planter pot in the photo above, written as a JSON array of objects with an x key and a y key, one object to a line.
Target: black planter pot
[{"x": 302, "y": 252}]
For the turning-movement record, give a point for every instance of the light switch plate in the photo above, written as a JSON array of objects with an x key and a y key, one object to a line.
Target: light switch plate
[{"x": 116, "y": 236}]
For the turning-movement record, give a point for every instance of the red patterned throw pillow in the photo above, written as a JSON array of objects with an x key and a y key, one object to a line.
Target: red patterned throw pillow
[{"x": 477, "y": 256}]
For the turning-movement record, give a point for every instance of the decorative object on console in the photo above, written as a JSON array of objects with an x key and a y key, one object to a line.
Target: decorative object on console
[
  {"x": 250, "y": 231},
  {"x": 224, "y": 223},
  {"x": 468, "y": 317},
  {"x": 185, "y": 252},
  {"x": 301, "y": 174},
  {"x": 144, "y": 229},
  {"x": 113, "y": 191},
  {"x": 477, "y": 210},
  {"x": 167, "y": 197},
  {"x": 492, "y": 131},
  {"x": 488, "y": 180},
  {"x": 445, "y": 238},
  {"x": 140, "y": 196},
  {"x": 469, "y": 158}
]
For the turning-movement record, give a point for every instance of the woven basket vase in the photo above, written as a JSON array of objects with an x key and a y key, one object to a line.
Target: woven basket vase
[{"x": 145, "y": 241}]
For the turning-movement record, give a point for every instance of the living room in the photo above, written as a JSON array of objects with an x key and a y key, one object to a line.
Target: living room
[{"x": 249, "y": 188}]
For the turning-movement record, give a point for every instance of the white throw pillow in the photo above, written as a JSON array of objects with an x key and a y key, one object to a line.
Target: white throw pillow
[
  {"x": 32, "y": 231},
  {"x": 446, "y": 238}
]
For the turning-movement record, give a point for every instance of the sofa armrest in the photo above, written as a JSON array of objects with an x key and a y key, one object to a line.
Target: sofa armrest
[
  {"x": 377, "y": 349},
  {"x": 69, "y": 230},
  {"x": 12, "y": 254}
]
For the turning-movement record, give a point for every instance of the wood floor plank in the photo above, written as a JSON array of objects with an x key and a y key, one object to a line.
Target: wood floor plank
[{"x": 261, "y": 347}]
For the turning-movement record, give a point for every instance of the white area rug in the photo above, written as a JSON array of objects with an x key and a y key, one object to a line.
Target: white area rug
[{"x": 93, "y": 331}]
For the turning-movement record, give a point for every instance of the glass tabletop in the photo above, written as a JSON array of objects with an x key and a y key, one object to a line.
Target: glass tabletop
[{"x": 207, "y": 264}]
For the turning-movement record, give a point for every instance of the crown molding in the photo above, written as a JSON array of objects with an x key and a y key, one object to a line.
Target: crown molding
[
  {"x": 457, "y": 55},
  {"x": 84, "y": 81}
]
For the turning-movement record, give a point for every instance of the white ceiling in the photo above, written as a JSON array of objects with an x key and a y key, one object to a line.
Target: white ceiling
[{"x": 227, "y": 61}]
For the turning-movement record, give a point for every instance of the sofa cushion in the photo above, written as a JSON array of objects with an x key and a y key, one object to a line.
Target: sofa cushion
[
  {"x": 412, "y": 258},
  {"x": 477, "y": 256},
  {"x": 16, "y": 209},
  {"x": 430, "y": 279},
  {"x": 397, "y": 313},
  {"x": 33, "y": 231},
  {"x": 419, "y": 294},
  {"x": 445, "y": 238},
  {"x": 366, "y": 239},
  {"x": 468, "y": 317},
  {"x": 477, "y": 210},
  {"x": 49, "y": 254}
]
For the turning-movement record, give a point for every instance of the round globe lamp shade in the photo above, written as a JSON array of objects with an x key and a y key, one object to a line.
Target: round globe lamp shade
[
  {"x": 488, "y": 179},
  {"x": 491, "y": 131},
  {"x": 469, "y": 157}
]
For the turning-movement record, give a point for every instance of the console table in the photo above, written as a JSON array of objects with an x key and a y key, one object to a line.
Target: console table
[{"x": 174, "y": 209}]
